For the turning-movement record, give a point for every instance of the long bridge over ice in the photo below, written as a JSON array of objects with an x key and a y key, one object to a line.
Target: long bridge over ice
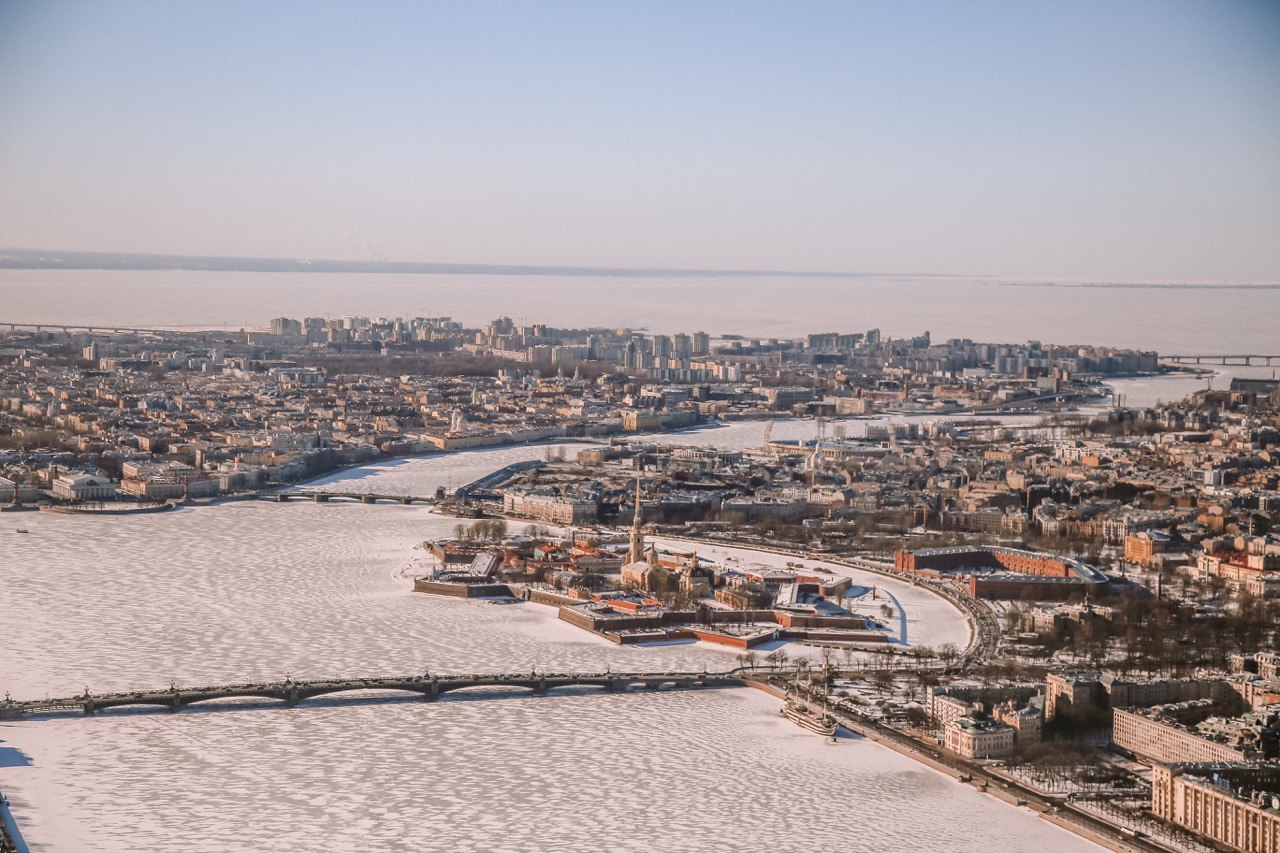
[
  {"x": 321, "y": 496},
  {"x": 430, "y": 687}
]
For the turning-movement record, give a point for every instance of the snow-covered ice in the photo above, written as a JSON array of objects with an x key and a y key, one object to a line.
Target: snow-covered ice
[
  {"x": 247, "y": 591},
  {"x": 714, "y": 770}
]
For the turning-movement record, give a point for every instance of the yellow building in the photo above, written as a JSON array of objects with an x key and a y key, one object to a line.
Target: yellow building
[{"x": 1235, "y": 804}]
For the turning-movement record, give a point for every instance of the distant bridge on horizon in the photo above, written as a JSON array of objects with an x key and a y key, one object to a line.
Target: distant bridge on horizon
[
  {"x": 68, "y": 328},
  {"x": 1244, "y": 360}
]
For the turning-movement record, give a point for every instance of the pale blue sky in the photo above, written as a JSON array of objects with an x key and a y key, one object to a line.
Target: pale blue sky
[{"x": 1119, "y": 139}]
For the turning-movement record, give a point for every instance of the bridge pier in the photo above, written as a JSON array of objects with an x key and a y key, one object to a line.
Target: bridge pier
[
  {"x": 368, "y": 499},
  {"x": 290, "y": 693},
  {"x": 320, "y": 499},
  {"x": 406, "y": 500}
]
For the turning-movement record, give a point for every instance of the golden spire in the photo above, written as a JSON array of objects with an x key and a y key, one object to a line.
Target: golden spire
[{"x": 636, "y": 552}]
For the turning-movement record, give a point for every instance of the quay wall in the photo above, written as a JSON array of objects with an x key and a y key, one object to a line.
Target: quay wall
[
  {"x": 835, "y": 636},
  {"x": 10, "y": 837},
  {"x": 799, "y": 620},
  {"x": 634, "y": 637},
  {"x": 64, "y": 509},
  {"x": 551, "y": 599},
  {"x": 462, "y": 590},
  {"x": 725, "y": 639},
  {"x": 490, "y": 480}
]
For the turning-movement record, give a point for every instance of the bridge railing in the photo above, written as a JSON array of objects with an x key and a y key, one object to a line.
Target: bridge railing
[{"x": 357, "y": 683}]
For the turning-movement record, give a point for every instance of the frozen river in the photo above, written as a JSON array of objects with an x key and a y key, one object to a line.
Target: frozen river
[
  {"x": 260, "y": 591},
  {"x": 717, "y": 770}
]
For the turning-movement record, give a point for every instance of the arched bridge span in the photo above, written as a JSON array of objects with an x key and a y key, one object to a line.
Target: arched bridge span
[{"x": 291, "y": 692}]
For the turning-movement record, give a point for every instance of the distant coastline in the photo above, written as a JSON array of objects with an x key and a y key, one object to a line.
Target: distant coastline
[
  {"x": 48, "y": 259},
  {"x": 55, "y": 260}
]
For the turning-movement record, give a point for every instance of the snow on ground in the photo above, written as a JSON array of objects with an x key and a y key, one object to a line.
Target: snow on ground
[{"x": 924, "y": 618}]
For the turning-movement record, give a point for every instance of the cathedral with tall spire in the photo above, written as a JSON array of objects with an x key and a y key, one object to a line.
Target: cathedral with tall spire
[{"x": 636, "y": 552}]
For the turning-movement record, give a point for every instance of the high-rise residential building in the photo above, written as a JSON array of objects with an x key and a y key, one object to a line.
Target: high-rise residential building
[{"x": 285, "y": 326}]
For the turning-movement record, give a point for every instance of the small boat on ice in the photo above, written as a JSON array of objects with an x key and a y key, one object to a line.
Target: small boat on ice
[
  {"x": 818, "y": 721},
  {"x": 23, "y": 530}
]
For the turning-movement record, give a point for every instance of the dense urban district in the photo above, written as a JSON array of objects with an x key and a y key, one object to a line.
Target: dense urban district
[{"x": 1119, "y": 567}]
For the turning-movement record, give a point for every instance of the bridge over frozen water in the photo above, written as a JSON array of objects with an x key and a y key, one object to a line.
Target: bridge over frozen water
[
  {"x": 290, "y": 692},
  {"x": 321, "y": 496},
  {"x": 1245, "y": 359}
]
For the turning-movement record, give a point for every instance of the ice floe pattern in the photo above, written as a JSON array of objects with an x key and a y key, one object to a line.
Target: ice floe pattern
[
  {"x": 715, "y": 770},
  {"x": 258, "y": 591}
]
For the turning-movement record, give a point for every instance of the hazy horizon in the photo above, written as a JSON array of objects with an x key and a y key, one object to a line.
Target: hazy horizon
[
  {"x": 12, "y": 258},
  {"x": 1090, "y": 141}
]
